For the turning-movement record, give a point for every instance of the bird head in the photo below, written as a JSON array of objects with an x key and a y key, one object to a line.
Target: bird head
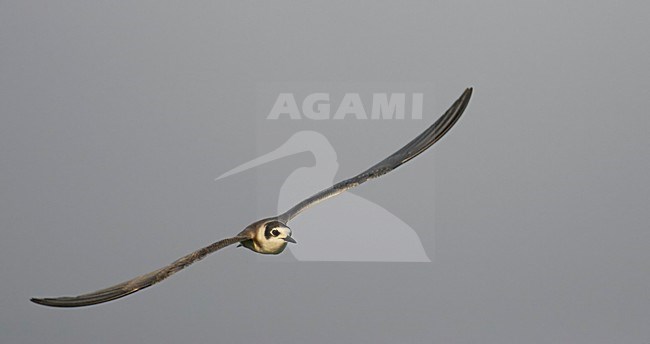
[{"x": 277, "y": 232}]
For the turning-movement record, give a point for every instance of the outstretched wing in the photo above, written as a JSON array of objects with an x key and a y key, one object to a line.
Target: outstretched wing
[
  {"x": 131, "y": 286},
  {"x": 406, "y": 153}
]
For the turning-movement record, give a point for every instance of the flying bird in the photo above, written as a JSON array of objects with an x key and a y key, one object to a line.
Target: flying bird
[{"x": 271, "y": 235}]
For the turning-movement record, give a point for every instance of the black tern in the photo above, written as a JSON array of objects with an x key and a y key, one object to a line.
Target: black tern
[{"x": 271, "y": 235}]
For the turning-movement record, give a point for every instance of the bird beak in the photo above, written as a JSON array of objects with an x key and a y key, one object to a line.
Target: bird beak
[{"x": 290, "y": 239}]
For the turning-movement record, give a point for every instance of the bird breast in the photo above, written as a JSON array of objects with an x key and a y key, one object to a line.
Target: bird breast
[{"x": 265, "y": 246}]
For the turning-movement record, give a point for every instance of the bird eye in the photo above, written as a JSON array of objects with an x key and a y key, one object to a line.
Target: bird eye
[{"x": 275, "y": 232}]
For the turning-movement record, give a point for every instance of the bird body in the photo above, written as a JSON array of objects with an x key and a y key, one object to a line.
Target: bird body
[{"x": 269, "y": 236}]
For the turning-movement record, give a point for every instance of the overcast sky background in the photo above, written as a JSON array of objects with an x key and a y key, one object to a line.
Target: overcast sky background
[{"x": 116, "y": 117}]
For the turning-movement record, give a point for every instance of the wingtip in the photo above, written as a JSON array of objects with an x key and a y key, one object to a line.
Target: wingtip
[
  {"x": 38, "y": 301},
  {"x": 465, "y": 97},
  {"x": 59, "y": 302}
]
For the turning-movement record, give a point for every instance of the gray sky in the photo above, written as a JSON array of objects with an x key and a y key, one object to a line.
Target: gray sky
[{"x": 116, "y": 118}]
